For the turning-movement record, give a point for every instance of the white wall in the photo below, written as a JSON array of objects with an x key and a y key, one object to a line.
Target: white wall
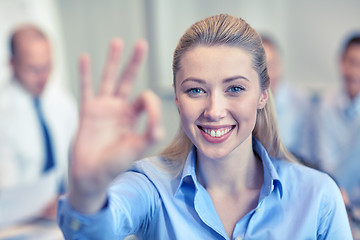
[
  {"x": 88, "y": 26},
  {"x": 315, "y": 33}
]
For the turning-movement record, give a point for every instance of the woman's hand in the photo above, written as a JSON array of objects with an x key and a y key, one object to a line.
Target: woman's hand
[{"x": 107, "y": 141}]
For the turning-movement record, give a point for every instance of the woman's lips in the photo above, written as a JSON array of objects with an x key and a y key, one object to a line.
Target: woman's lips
[{"x": 216, "y": 134}]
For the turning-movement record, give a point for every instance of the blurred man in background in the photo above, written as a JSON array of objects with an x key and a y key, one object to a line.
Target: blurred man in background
[
  {"x": 338, "y": 113},
  {"x": 291, "y": 102},
  {"x": 337, "y": 127},
  {"x": 323, "y": 129},
  {"x": 37, "y": 122}
]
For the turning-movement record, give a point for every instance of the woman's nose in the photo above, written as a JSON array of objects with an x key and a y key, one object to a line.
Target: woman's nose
[{"x": 215, "y": 108}]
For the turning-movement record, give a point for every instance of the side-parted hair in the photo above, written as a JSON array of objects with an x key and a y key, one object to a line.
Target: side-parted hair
[{"x": 235, "y": 32}]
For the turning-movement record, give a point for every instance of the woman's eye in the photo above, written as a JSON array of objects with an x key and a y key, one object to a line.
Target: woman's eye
[
  {"x": 235, "y": 89},
  {"x": 194, "y": 91}
]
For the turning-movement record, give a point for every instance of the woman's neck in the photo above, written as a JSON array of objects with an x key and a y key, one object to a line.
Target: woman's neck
[{"x": 239, "y": 170}]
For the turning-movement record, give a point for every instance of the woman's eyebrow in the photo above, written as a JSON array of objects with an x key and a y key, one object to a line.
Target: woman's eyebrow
[
  {"x": 227, "y": 80},
  {"x": 190, "y": 79}
]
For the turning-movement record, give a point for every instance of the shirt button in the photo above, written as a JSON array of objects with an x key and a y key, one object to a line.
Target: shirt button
[
  {"x": 75, "y": 225},
  {"x": 131, "y": 237},
  {"x": 238, "y": 238}
]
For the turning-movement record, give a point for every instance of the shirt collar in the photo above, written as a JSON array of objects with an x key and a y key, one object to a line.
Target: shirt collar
[
  {"x": 271, "y": 178},
  {"x": 346, "y": 105},
  {"x": 343, "y": 99},
  {"x": 188, "y": 175},
  {"x": 355, "y": 105},
  {"x": 20, "y": 89}
]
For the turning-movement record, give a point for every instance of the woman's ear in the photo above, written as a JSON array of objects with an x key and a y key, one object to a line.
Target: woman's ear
[{"x": 263, "y": 99}]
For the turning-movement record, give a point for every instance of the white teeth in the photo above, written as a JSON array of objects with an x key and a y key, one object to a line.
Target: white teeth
[{"x": 216, "y": 133}]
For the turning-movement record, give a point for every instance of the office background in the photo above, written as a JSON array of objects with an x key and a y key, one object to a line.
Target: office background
[{"x": 309, "y": 34}]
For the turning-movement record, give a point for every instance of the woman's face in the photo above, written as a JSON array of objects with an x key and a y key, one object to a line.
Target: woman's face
[{"x": 218, "y": 95}]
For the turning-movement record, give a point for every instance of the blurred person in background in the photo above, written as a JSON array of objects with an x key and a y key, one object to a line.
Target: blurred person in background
[
  {"x": 336, "y": 140},
  {"x": 291, "y": 102},
  {"x": 37, "y": 122},
  {"x": 338, "y": 113}
]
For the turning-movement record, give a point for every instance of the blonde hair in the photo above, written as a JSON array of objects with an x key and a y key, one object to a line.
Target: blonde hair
[{"x": 230, "y": 31}]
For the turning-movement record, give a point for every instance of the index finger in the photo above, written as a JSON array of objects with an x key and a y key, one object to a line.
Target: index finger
[{"x": 128, "y": 75}]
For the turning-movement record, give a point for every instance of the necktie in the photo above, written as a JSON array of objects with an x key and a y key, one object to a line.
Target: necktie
[
  {"x": 350, "y": 113},
  {"x": 49, "y": 153}
]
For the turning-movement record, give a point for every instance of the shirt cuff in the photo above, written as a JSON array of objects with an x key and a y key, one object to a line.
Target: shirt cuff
[{"x": 75, "y": 225}]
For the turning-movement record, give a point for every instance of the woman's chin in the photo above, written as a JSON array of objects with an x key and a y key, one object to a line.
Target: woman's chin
[{"x": 213, "y": 153}]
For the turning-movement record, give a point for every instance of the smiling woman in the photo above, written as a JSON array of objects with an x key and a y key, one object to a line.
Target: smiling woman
[
  {"x": 233, "y": 36},
  {"x": 233, "y": 178}
]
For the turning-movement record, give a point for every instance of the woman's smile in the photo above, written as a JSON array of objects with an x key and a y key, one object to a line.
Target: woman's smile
[{"x": 216, "y": 134}]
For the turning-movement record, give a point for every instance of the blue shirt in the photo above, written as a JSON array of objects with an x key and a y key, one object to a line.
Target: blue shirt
[
  {"x": 292, "y": 106},
  {"x": 295, "y": 202},
  {"x": 337, "y": 130},
  {"x": 336, "y": 135}
]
